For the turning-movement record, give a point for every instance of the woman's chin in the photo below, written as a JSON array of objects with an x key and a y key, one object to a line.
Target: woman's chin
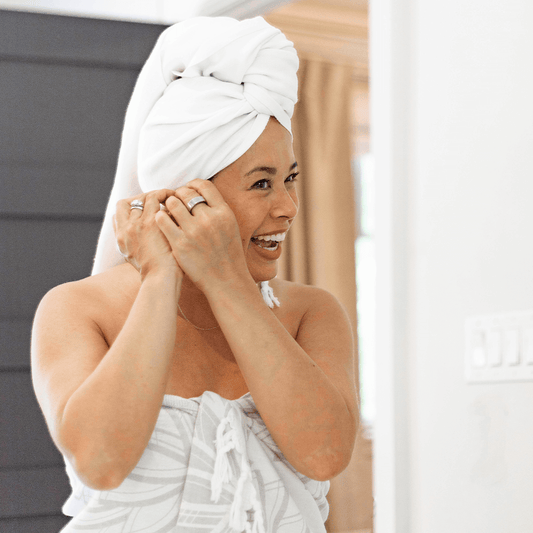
[
  {"x": 264, "y": 273},
  {"x": 262, "y": 264}
]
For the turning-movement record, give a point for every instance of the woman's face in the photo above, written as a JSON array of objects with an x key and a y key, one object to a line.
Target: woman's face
[{"x": 259, "y": 187}]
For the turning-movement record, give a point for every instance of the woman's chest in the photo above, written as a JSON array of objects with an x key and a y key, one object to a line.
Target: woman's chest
[
  {"x": 201, "y": 360},
  {"x": 204, "y": 361}
]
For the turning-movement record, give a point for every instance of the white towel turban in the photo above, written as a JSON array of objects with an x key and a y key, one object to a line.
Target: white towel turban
[{"x": 202, "y": 99}]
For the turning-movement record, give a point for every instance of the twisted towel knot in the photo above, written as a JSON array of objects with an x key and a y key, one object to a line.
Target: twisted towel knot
[{"x": 264, "y": 103}]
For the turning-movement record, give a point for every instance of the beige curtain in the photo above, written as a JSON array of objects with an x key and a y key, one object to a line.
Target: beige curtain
[
  {"x": 320, "y": 246},
  {"x": 319, "y": 249}
]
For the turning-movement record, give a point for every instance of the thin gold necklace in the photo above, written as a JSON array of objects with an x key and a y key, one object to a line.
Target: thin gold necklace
[
  {"x": 197, "y": 327},
  {"x": 204, "y": 329}
]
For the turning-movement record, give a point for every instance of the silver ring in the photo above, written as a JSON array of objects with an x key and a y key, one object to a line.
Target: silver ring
[
  {"x": 195, "y": 201},
  {"x": 137, "y": 204}
]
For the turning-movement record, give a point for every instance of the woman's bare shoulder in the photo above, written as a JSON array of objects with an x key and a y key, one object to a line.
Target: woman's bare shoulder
[
  {"x": 300, "y": 303},
  {"x": 301, "y": 295},
  {"x": 94, "y": 294}
]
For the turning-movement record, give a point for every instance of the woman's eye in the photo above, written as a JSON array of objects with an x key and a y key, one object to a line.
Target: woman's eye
[
  {"x": 261, "y": 184},
  {"x": 265, "y": 184}
]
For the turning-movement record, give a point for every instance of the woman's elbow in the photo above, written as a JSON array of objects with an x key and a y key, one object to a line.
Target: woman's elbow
[
  {"x": 334, "y": 459},
  {"x": 326, "y": 470},
  {"x": 98, "y": 476},
  {"x": 102, "y": 481},
  {"x": 94, "y": 467}
]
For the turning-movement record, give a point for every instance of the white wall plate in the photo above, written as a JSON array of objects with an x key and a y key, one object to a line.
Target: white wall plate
[{"x": 499, "y": 347}]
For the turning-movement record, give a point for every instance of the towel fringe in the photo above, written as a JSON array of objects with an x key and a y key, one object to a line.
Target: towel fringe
[
  {"x": 230, "y": 436},
  {"x": 268, "y": 295}
]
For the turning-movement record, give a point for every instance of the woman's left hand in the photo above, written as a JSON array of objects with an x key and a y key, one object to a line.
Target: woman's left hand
[{"x": 206, "y": 242}]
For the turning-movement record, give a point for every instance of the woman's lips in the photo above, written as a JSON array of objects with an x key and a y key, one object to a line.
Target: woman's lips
[{"x": 267, "y": 253}]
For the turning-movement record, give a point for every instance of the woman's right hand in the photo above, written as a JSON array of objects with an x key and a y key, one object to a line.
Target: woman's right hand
[{"x": 139, "y": 239}]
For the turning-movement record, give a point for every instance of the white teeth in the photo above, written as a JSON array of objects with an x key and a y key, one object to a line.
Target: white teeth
[
  {"x": 271, "y": 248},
  {"x": 279, "y": 237}
]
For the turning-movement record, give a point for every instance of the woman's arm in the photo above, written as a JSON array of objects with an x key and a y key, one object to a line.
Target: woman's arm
[
  {"x": 101, "y": 404},
  {"x": 303, "y": 388}
]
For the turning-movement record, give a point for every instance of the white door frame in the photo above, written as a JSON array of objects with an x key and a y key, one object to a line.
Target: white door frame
[{"x": 391, "y": 97}]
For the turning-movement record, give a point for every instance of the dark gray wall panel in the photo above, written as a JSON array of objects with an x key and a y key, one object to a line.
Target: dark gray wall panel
[
  {"x": 55, "y": 190},
  {"x": 35, "y": 492},
  {"x": 65, "y": 83},
  {"x": 38, "y": 524},
  {"x": 38, "y": 255},
  {"x": 57, "y": 114},
  {"x": 53, "y": 38},
  {"x": 26, "y": 442},
  {"x": 15, "y": 337}
]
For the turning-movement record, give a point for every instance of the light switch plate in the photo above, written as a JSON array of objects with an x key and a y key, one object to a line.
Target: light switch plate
[{"x": 499, "y": 347}]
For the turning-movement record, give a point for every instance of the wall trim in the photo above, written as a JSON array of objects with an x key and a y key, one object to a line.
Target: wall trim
[{"x": 336, "y": 31}]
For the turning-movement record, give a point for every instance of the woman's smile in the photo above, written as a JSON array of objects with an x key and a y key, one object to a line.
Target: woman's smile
[
  {"x": 269, "y": 241},
  {"x": 270, "y": 249}
]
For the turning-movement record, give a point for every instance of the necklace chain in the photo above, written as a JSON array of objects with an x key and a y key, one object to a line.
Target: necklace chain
[{"x": 197, "y": 327}]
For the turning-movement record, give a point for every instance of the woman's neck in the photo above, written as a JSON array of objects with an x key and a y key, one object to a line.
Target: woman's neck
[{"x": 195, "y": 305}]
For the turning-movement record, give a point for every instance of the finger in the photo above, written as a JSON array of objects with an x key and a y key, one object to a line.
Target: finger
[
  {"x": 186, "y": 194},
  {"x": 154, "y": 199},
  {"x": 135, "y": 212},
  {"x": 208, "y": 190},
  {"x": 179, "y": 211},
  {"x": 124, "y": 210},
  {"x": 170, "y": 230}
]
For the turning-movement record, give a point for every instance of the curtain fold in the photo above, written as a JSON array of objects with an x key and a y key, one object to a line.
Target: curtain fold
[{"x": 319, "y": 249}]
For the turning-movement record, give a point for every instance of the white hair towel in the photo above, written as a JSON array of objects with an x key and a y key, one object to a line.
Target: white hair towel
[{"x": 202, "y": 99}]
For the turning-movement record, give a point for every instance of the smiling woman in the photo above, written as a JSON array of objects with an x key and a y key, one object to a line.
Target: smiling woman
[{"x": 186, "y": 387}]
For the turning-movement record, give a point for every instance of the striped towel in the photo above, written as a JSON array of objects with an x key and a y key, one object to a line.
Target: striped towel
[{"x": 210, "y": 466}]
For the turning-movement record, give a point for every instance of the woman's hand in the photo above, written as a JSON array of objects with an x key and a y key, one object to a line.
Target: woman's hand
[
  {"x": 206, "y": 243},
  {"x": 139, "y": 238}
]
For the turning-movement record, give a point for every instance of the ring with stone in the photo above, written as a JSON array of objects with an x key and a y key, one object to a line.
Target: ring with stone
[
  {"x": 195, "y": 201},
  {"x": 137, "y": 204}
]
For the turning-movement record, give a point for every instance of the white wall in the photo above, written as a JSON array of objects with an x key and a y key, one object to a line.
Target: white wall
[{"x": 452, "y": 130}]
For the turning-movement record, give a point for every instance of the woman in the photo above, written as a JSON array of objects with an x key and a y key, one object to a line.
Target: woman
[{"x": 180, "y": 401}]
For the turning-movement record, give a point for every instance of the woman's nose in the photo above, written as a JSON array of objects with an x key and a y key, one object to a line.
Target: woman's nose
[{"x": 285, "y": 204}]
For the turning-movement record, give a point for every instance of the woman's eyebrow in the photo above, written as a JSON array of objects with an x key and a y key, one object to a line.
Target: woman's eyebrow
[{"x": 269, "y": 170}]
